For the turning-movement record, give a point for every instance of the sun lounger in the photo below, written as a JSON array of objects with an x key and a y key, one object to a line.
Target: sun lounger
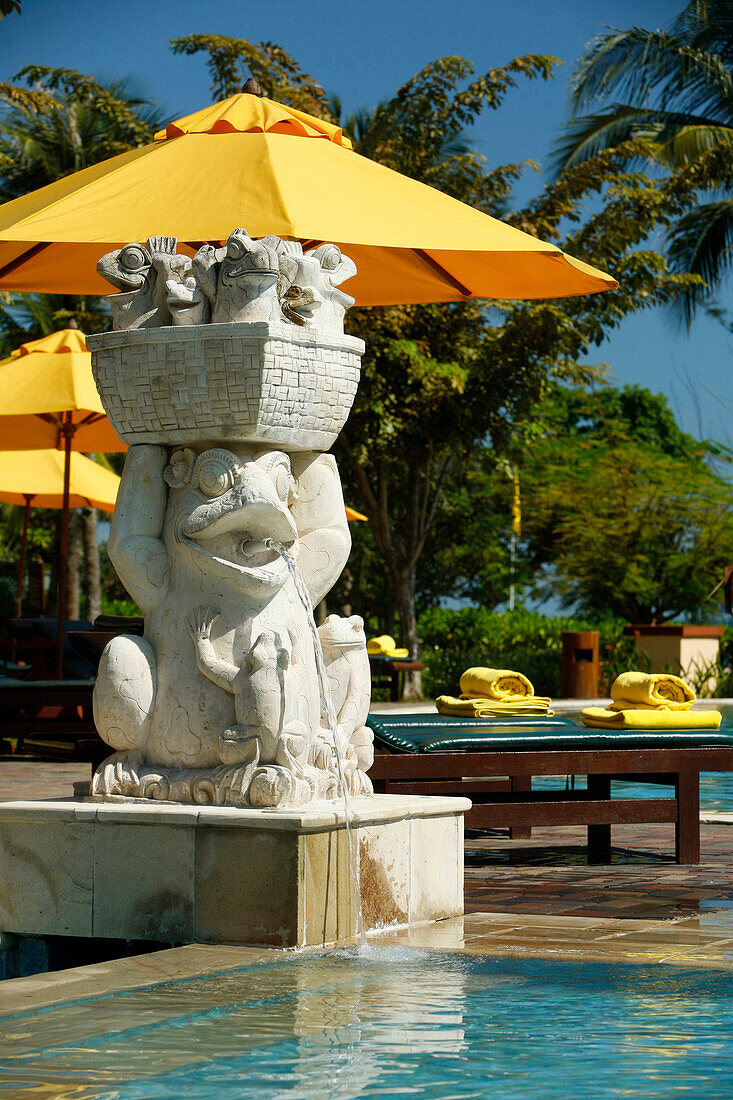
[
  {"x": 493, "y": 764},
  {"x": 51, "y": 719}
]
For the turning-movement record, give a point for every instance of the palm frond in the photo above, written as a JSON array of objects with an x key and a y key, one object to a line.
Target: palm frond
[{"x": 701, "y": 242}]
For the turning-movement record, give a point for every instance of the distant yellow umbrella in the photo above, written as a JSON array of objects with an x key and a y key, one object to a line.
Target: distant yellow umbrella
[
  {"x": 36, "y": 479},
  {"x": 48, "y": 399},
  {"x": 253, "y": 162},
  {"x": 352, "y": 514},
  {"x": 48, "y": 396}
]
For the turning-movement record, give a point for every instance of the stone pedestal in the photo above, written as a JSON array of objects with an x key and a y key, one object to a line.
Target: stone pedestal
[{"x": 183, "y": 874}]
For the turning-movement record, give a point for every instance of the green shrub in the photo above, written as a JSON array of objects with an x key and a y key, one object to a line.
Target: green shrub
[{"x": 531, "y": 643}]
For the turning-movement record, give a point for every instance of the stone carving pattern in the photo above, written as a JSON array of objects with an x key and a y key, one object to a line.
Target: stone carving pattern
[{"x": 173, "y": 390}]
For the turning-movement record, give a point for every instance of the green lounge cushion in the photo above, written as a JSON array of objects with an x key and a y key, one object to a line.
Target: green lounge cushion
[{"x": 439, "y": 734}]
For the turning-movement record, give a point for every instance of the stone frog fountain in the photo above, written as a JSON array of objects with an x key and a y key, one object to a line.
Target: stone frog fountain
[{"x": 229, "y": 375}]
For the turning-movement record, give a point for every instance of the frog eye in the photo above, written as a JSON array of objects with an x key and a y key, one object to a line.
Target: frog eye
[
  {"x": 134, "y": 257},
  {"x": 283, "y": 482},
  {"x": 214, "y": 473},
  {"x": 236, "y": 245},
  {"x": 330, "y": 257}
]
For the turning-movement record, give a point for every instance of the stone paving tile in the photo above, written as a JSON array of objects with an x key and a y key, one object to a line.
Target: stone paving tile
[{"x": 136, "y": 972}]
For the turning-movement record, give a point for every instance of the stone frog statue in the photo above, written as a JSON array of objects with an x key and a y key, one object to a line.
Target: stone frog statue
[{"x": 219, "y": 701}]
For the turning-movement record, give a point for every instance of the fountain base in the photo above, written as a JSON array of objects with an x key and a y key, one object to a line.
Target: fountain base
[{"x": 185, "y": 874}]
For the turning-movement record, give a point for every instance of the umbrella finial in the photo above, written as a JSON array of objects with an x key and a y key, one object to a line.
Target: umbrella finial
[
  {"x": 72, "y": 323},
  {"x": 251, "y": 86}
]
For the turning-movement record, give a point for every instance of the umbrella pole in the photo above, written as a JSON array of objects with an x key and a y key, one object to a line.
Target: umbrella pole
[
  {"x": 67, "y": 433},
  {"x": 21, "y": 556}
]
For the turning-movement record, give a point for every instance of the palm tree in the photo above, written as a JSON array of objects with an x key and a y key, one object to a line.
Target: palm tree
[
  {"x": 64, "y": 121},
  {"x": 61, "y": 122},
  {"x": 675, "y": 103}
]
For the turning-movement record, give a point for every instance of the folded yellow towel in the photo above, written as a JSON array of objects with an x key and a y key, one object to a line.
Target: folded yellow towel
[
  {"x": 537, "y": 706},
  {"x": 639, "y": 690},
  {"x": 384, "y": 646},
  {"x": 655, "y": 719},
  {"x": 495, "y": 683}
]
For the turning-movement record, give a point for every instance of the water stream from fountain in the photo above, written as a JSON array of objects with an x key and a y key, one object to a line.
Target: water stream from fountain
[{"x": 327, "y": 701}]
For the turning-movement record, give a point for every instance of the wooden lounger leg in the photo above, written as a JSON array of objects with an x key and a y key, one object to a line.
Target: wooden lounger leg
[
  {"x": 521, "y": 783},
  {"x": 599, "y": 836},
  {"x": 687, "y": 828}
]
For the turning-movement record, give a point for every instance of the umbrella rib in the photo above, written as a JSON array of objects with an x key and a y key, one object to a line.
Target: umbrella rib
[
  {"x": 29, "y": 253},
  {"x": 428, "y": 259}
]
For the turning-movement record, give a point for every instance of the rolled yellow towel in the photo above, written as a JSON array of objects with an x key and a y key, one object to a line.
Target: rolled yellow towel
[
  {"x": 652, "y": 719},
  {"x": 384, "y": 646},
  {"x": 537, "y": 706},
  {"x": 639, "y": 690},
  {"x": 495, "y": 683}
]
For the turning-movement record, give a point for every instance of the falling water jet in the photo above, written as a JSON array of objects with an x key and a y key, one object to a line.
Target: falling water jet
[{"x": 325, "y": 691}]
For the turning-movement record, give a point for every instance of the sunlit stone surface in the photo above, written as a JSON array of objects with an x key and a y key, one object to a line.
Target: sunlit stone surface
[{"x": 213, "y": 874}]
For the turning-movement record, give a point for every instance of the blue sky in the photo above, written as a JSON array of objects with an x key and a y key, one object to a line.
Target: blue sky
[{"x": 364, "y": 52}]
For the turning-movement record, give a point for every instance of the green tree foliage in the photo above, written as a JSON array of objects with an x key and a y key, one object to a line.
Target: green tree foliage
[
  {"x": 58, "y": 121},
  {"x": 675, "y": 95},
  {"x": 232, "y": 60},
  {"x": 454, "y": 640},
  {"x": 627, "y": 509},
  {"x": 54, "y": 122}
]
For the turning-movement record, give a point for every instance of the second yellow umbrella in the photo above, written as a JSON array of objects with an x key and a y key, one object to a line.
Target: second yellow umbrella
[
  {"x": 48, "y": 399},
  {"x": 36, "y": 479}
]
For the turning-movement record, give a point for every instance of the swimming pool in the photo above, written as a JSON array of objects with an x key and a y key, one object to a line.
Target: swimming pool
[{"x": 387, "y": 1022}]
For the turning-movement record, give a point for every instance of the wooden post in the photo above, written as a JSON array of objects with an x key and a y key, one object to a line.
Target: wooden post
[
  {"x": 521, "y": 783},
  {"x": 579, "y": 674},
  {"x": 687, "y": 827},
  {"x": 599, "y": 836},
  {"x": 21, "y": 556},
  {"x": 67, "y": 434}
]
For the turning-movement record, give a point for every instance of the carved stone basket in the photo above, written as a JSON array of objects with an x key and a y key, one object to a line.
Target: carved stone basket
[{"x": 251, "y": 383}]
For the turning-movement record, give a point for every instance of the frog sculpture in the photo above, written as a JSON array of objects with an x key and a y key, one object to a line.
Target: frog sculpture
[
  {"x": 247, "y": 280},
  {"x": 226, "y": 545},
  {"x": 219, "y": 701}
]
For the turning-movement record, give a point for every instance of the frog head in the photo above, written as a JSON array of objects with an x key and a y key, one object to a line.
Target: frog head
[
  {"x": 248, "y": 277},
  {"x": 226, "y": 508},
  {"x": 315, "y": 297}
]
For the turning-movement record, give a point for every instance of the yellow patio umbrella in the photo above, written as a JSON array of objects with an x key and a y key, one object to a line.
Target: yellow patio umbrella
[
  {"x": 48, "y": 399},
  {"x": 36, "y": 479},
  {"x": 352, "y": 514},
  {"x": 253, "y": 162}
]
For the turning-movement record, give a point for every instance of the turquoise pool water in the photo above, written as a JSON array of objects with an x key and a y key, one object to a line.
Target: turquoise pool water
[
  {"x": 716, "y": 789},
  {"x": 388, "y": 1022}
]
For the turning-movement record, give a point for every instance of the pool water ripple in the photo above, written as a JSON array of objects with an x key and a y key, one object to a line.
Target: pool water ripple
[{"x": 389, "y": 1022}]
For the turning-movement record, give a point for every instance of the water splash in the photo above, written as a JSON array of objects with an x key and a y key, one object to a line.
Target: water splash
[{"x": 325, "y": 691}]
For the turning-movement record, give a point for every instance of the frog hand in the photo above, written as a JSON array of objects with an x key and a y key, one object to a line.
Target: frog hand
[{"x": 201, "y": 622}]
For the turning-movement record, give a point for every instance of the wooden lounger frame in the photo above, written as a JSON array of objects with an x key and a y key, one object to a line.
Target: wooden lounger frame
[{"x": 511, "y": 803}]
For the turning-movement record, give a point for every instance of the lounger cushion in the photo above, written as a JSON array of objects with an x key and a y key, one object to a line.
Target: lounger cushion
[{"x": 436, "y": 733}]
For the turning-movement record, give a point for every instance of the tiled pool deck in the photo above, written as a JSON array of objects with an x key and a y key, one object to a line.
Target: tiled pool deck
[{"x": 533, "y": 897}]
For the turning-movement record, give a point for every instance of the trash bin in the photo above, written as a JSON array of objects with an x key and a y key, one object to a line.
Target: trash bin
[{"x": 579, "y": 674}]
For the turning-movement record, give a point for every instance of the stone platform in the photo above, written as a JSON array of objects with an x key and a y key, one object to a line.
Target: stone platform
[{"x": 181, "y": 874}]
